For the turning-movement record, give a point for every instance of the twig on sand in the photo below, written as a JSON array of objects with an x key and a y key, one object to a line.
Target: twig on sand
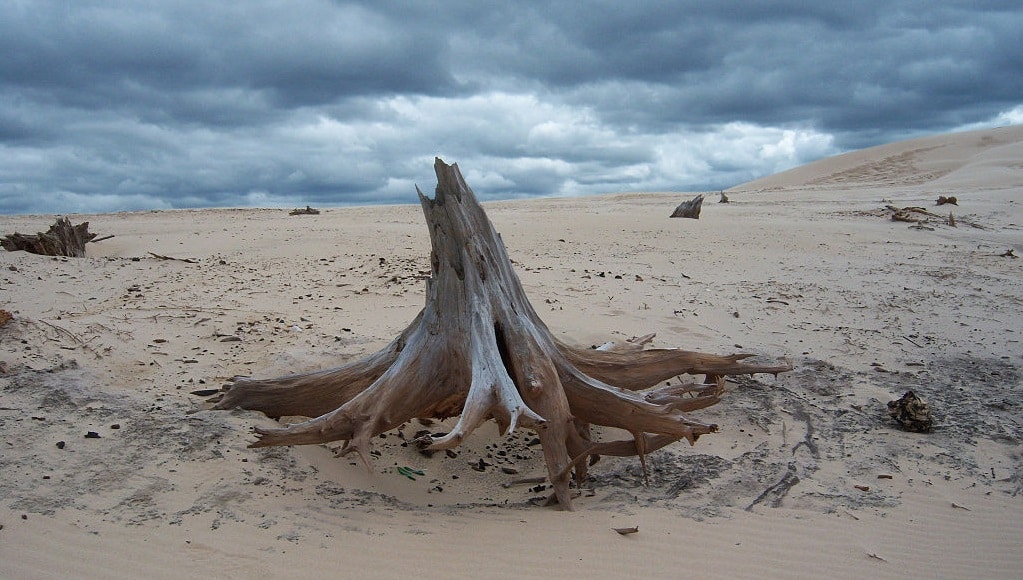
[
  {"x": 912, "y": 341},
  {"x": 74, "y": 337},
  {"x": 779, "y": 490},
  {"x": 186, "y": 260},
  {"x": 523, "y": 481}
]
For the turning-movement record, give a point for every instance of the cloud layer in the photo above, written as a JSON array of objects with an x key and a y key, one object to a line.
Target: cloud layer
[{"x": 123, "y": 105}]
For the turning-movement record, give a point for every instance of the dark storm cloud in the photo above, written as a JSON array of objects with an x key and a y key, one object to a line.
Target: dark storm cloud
[{"x": 129, "y": 105}]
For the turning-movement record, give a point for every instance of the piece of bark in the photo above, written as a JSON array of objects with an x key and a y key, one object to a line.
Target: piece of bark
[
  {"x": 689, "y": 209},
  {"x": 478, "y": 350},
  {"x": 62, "y": 239}
]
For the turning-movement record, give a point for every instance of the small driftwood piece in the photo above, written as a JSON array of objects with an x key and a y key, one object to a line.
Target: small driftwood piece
[
  {"x": 942, "y": 200},
  {"x": 162, "y": 257},
  {"x": 62, "y": 239},
  {"x": 919, "y": 216},
  {"x": 307, "y": 211},
  {"x": 774, "y": 495},
  {"x": 479, "y": 350},
  {"x": 689, "y": 209},
  {"x": 912, "y": 214},
  {"x": 724, "y": 198},
  {"x": 912, "y": 412}
]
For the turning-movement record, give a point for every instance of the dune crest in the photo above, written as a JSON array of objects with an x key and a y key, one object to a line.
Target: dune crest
[{"x": 967, "y": 158}]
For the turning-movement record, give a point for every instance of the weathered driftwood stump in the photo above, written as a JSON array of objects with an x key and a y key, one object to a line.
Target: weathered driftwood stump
[
  {"x": 478, "y": 350},
  {"x": 689, "y": 209},
  {"x": 62, "y": 239},
  {"x": 307, "y": 211}
]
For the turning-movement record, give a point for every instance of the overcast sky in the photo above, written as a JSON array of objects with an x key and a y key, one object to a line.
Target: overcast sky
[{"x": 110, "y": 105}]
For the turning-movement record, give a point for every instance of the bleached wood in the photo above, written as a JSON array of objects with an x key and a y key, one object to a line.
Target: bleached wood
[{"x": 479, "y": 350}]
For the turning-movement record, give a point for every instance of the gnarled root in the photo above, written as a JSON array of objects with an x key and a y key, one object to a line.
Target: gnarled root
[{"x": 480, "y": 351}]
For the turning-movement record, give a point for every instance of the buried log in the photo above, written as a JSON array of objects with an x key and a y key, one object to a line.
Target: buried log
[
  {"x": 478, "y": 350},
  {"x": 910, "y": 214},
  {"x": 918, "y": 216},
  {"x": 62, "y": 239},
  {"x": 689, "y": 209}
]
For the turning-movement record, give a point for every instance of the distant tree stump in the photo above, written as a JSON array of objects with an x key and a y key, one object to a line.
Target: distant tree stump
[
  {"x": 62, "y": 239},
  {"x": 307, "y": 211},
  {"x": 689, "y": 209}
]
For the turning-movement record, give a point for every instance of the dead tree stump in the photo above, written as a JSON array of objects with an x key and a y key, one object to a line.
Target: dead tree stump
[
  {"x": 478, "y": 350},
  {"x": 62, "y": 239},
  {"x": 689, "y": 209}
]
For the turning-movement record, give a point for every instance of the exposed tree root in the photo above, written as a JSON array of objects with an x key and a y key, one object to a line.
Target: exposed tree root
[
  {"x": 62, "y": 239},
  {"x": 479, "y": 351}
]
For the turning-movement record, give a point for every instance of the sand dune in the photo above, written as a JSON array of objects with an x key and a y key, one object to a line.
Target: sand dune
[
  {"x": 807, "y": 477},
  {"x": 974, "y": 159}
]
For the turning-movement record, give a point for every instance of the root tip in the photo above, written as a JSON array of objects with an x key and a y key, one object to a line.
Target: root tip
[{"x": 265, "y": 437}]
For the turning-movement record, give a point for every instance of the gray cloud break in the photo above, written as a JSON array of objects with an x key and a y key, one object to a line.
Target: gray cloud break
[{"x": 108, "y": 106}]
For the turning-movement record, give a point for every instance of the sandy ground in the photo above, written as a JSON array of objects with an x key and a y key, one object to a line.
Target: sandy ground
[{"x": 111, "y": 467}]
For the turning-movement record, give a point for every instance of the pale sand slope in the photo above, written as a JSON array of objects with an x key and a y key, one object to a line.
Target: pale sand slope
[{"x": 806, "y": 265}]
